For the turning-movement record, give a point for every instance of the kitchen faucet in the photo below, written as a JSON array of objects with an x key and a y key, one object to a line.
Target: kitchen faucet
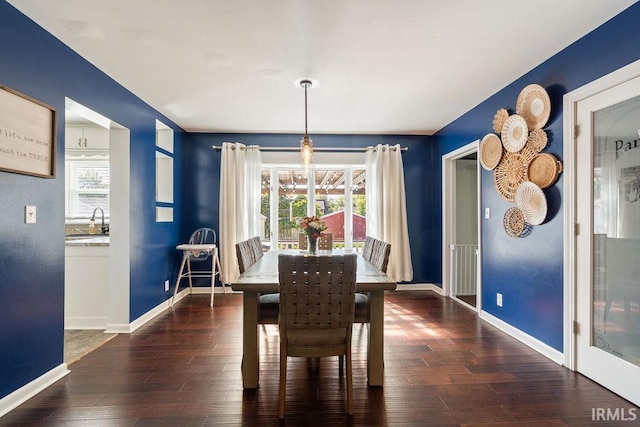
[{"x": 103, "y": 229}]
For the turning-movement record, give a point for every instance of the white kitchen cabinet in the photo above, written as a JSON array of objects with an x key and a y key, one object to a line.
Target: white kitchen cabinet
[
  {"x": 86, "y": 296},
  {"x": 80, "y": 138}
]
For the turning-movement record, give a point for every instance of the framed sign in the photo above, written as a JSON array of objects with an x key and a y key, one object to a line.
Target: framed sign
[{"x": 27, "y": 135}]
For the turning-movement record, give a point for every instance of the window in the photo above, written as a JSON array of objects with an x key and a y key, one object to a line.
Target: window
[
  {"x": 87, "y": 186},
  {"x": 334, "y": 193}
]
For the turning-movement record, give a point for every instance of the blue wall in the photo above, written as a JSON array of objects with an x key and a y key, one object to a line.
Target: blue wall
[
  {"x": 528, "y": 271},
  {"x": 32, "y": 256},
  {"x": 203, "y": 174}
]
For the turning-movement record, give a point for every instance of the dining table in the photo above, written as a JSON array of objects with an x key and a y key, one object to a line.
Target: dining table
[{"x": 262, "y": 277}]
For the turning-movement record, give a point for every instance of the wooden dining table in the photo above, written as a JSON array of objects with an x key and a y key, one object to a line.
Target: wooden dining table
[{"x": 262, "y": 277}]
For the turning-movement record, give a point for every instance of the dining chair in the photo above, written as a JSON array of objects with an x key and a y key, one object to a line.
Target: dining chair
[
  {"x": 302, "y": 241},
  {"x": 248, "y": 252},
  {"x": 367, "y": 248},
  {"x": 380, "y": 253},
  {"x": 246, "y": 255},
  {"x": 316, "y": 312},
  {"x": 325, "y": 243},
  {"x": 256, "y": 244}
]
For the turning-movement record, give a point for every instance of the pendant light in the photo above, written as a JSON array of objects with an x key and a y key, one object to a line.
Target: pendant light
[{"x": 306, "y": 145}]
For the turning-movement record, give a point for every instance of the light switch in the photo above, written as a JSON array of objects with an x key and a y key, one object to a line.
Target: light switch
[
  {"x": 29, "y": 214},
  {"x": 487, "y": 213}
]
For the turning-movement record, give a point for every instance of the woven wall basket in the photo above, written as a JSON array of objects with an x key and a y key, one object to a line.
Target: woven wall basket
[
  {"x": 543, "y": 170},
  {"x": 532, "y": 202},
  {"x": 509, "y": 174},
  {"x": 490, "y": 151},
  {"x": 513, "y": 222}
]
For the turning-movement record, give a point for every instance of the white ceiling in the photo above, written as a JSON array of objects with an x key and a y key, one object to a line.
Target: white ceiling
[{"x": 383, "y": 66}]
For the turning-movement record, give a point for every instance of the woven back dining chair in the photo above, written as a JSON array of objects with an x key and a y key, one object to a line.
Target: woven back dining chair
[
  {"x": 248, "y": 252},
  {"x": 325, "y": 242},
  {"x": 367, "y": 248},
  {"x": 380, "y": 253},
  {"x": 302, "y": 241},
  {"x": 316, "y": 312}
]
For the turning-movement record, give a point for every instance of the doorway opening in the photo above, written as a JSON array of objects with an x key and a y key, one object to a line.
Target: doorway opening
[
  {"x": 461, "y": 249},
  {"x": 96, "y": 211}
]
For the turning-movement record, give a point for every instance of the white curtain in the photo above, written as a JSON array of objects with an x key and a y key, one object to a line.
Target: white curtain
[
  {"x": 386, "y": 207},
  {"x": 239, "y": 202}
]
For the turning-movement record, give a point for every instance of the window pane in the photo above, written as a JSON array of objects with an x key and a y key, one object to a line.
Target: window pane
[
  {"x": 292, "y": 205},
  {"x": 332, "y": 191},
  {"x": 87, "y": 187},
  {"x": 330, "y": 201},
  {"x": 265, "y": 211},
  {"x": 359, "y": 201}
]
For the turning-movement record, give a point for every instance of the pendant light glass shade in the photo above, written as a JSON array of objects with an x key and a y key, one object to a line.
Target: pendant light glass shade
[
  {"x": 306, "y": 145},
  {"x": 306, "y": 154}
]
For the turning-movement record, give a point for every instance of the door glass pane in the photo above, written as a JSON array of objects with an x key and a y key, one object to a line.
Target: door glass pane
[
  {"x": 359, "y": 201},
  {"x": 330, "y": 202},
  {"x": 265, "y": 211},
  {"x": 616, "y": 230},
  {"x": 292, "y": 206}
]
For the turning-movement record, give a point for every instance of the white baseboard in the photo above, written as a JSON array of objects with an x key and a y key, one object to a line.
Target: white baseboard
[
  {"x": 526, "y": 339},
  {"x": 420, "y": 287},
  {"x": 85, "y": 322},
  {"x": 125, "y": 328},
  {"x": 532, "y": 342},
  {"x": 26, "y": 392}
]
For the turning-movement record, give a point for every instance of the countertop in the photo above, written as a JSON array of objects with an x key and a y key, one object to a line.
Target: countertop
[{"x": 87, "y": 240}]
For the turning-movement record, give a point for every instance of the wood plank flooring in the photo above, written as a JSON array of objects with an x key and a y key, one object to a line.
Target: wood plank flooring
[{"x": 443, "y": 366}]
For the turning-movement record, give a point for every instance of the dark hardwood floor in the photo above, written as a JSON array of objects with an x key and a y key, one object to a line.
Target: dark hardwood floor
[{"x": 443, "y": 366}]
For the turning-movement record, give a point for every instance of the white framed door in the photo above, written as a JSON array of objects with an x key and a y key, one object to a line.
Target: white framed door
[
  {"x": 607, "y": 245},
  {"x": 451, "y": 224}
]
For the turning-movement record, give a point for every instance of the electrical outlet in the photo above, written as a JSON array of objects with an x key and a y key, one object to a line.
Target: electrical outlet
[
  {"x": 499, "y": 299},
  {"x": 166, "y": 285},
  {"x": 29, "y": 214}
]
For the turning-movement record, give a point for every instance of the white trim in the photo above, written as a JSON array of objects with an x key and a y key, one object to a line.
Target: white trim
[
  {"x": 420, "y": 287},
  {"x": 119, "y": 293},
  {"x": 532, "y": 342},
  {"x": 570, "y": 101},
  {"x": 157, "y": 310},
  {"x": 448, "y": 226},
  {"x": 127, "y": 328},
  {"x": 79, "y": 323},
  {"x": 569, "y": 243},
  {"x": 27, "y": 391}
]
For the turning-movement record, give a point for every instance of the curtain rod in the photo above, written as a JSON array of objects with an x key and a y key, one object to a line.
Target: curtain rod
[{"x": 329, "y": 149}]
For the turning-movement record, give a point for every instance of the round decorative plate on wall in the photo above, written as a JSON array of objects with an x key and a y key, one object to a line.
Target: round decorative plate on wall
[
  {"x": 544, "y": 170},
  {"x": 534, "y": 105},
  {"x": 514, "y": 133},
  {"x": 490, "y": 151},
  {"x": 532, "y": 202},
  {"x": 514, "y": 222},
  {"x": 509, "y": 174}
]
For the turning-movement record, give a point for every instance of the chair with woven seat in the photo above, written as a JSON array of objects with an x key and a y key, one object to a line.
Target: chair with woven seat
[
  {"x": 302, "y": 241},
  {"x": 367, "y": 248},
  {"x": 325, "y": 242},
  {"x": 316, "y": 312},
  {"x": 248, "y": 252},
  {"x": 379, "y": 253},
  {"x": 256, "y": 245}
]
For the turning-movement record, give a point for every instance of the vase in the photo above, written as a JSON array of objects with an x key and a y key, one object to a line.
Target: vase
[{"x": 312, "y": 245}]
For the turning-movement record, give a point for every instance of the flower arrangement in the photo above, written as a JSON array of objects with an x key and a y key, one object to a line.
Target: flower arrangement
[{"x": 312, "y": 226}]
